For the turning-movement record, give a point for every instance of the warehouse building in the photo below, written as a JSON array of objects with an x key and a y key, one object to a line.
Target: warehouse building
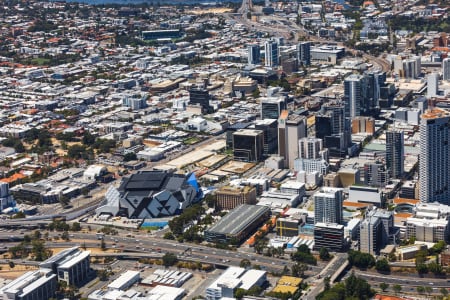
[
  {"x": 238, "y": 223},
  {"x": 125, "y": 281}
]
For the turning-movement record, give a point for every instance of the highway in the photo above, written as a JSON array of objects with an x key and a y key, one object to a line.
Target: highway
[
  {"x": 149, "y": 246},
  {"x": 330, "y": 270},
  {"x": 409, "y": 281}
]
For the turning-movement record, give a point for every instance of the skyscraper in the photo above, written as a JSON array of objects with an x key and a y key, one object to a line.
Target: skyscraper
[
  {"x": 432, "y": 85},
  {"x": 412, "y": 67},
  {"x": 375, "y": 174},
  {"x": 434, "y": 162},
  {"x": 376, "y": 230},
  {"x": 291, "y": 128},
  {"x": 270, "y": 129},
  {"x": 304, "y": 53},
  {"x": 332, "y": 126},
  {"x": 446, "y": 69},
  {"x": 375, "y": 81},
  {"x": 254, "y": 54},
  {"x": 271, "y": 107},
  {"x": 248, "y": 145},
  {"x": 370, "y": 235},
  {"x": 395, "y": 152},
  {"x": 328, "y": 205},
  {"x": 271, "y": 52},
  {"x": 355, "y": 94}
]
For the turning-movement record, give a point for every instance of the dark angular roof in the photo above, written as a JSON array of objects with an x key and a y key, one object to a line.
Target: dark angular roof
[{"x": 145, "y": 180}]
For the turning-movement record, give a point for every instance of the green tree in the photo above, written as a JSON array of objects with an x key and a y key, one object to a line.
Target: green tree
[
  {"x": 19, "y": 215},
  {"x": 382, "y": 265},
  {"x": 304, "y": 255},
  {"x": 169, "y": 259},
  {"x": 428, "y": 290},
  {"x": 326, "y": 283},
  {"x": 384, "y": 286},
  {"x": 11, "y": 264},
  {"x": 102, "y": 245},
  {"x": 444, "y": 292},
  {"x": 76, "y": 226},
  {"x": 77, "y": 151},
  {"x": 397, "y": 288},
  {"x": 26, "y": 239},
  {"x": 39, "y": 251},
  {"x": 420, "y": 289},
  {"x": 210, "y": 200},
  {"x": 65, "y": 235},
  {"x": 129, "y": 156},
  {"x": 169, "y": 236},
  {"x": 437, "y": 248},
  {"x": 421, "y": 258},
  {"x": 324, "y": 254},
  {"x": 435, "y": 268},
  {"x": 298, "y": 269},
  {"x": 360, "y": 260},
  {"x": 88, "y": 139},
  {"x": 36, "y": 235},
  {"x": 245, "y": 263},
  {"x": 352, "y": 288}
]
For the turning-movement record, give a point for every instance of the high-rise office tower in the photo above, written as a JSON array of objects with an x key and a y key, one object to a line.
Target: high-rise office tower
[
  {"x": 254, "y": 54},
  {"x": 328, "y": 205},
  {"x": 310, "y": 148},
  {"x": 370, "y": 235},
  {"x": 412, "y": 67},
  {"x": 271, "y": 108},
  {"x": 355, "y": 95},
  {"x": 200, "y": 96},
  {"x": 395, "y": 153},
  {"x": 270, "y": 129},
  {"x": 248, "y": 145},
  {"x": 304, "y": 53},
  {"x": 434, "y": 158},
  {"x": 375, "y": 231},
  {"x": 272, "y": 53},
  {"x": 375, "y": 174},
  {"x": 418, "y": 60},
  {"x": 291, "y": 128},
  {"x": 446, "y": 69},
  {"x": 375, "y": 81},
  {"x": 432, "y": 85},
  {"x": 332, "y": 126}
]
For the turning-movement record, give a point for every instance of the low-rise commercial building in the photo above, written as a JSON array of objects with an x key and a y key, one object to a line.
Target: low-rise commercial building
[
  {"x": 230, "y": 197},
  {"x": 237, "y": 224},
  {"x": 125, "y": 280},
  {"x": 232, "y": 279}
]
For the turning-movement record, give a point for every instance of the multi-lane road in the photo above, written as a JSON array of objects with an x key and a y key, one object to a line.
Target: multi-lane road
[{"x": 150, "y": 246}]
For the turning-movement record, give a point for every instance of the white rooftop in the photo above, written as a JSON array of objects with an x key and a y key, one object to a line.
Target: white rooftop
[
  {"x": 73, "y": 260},
  {"x": 123, "y": 279}
]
